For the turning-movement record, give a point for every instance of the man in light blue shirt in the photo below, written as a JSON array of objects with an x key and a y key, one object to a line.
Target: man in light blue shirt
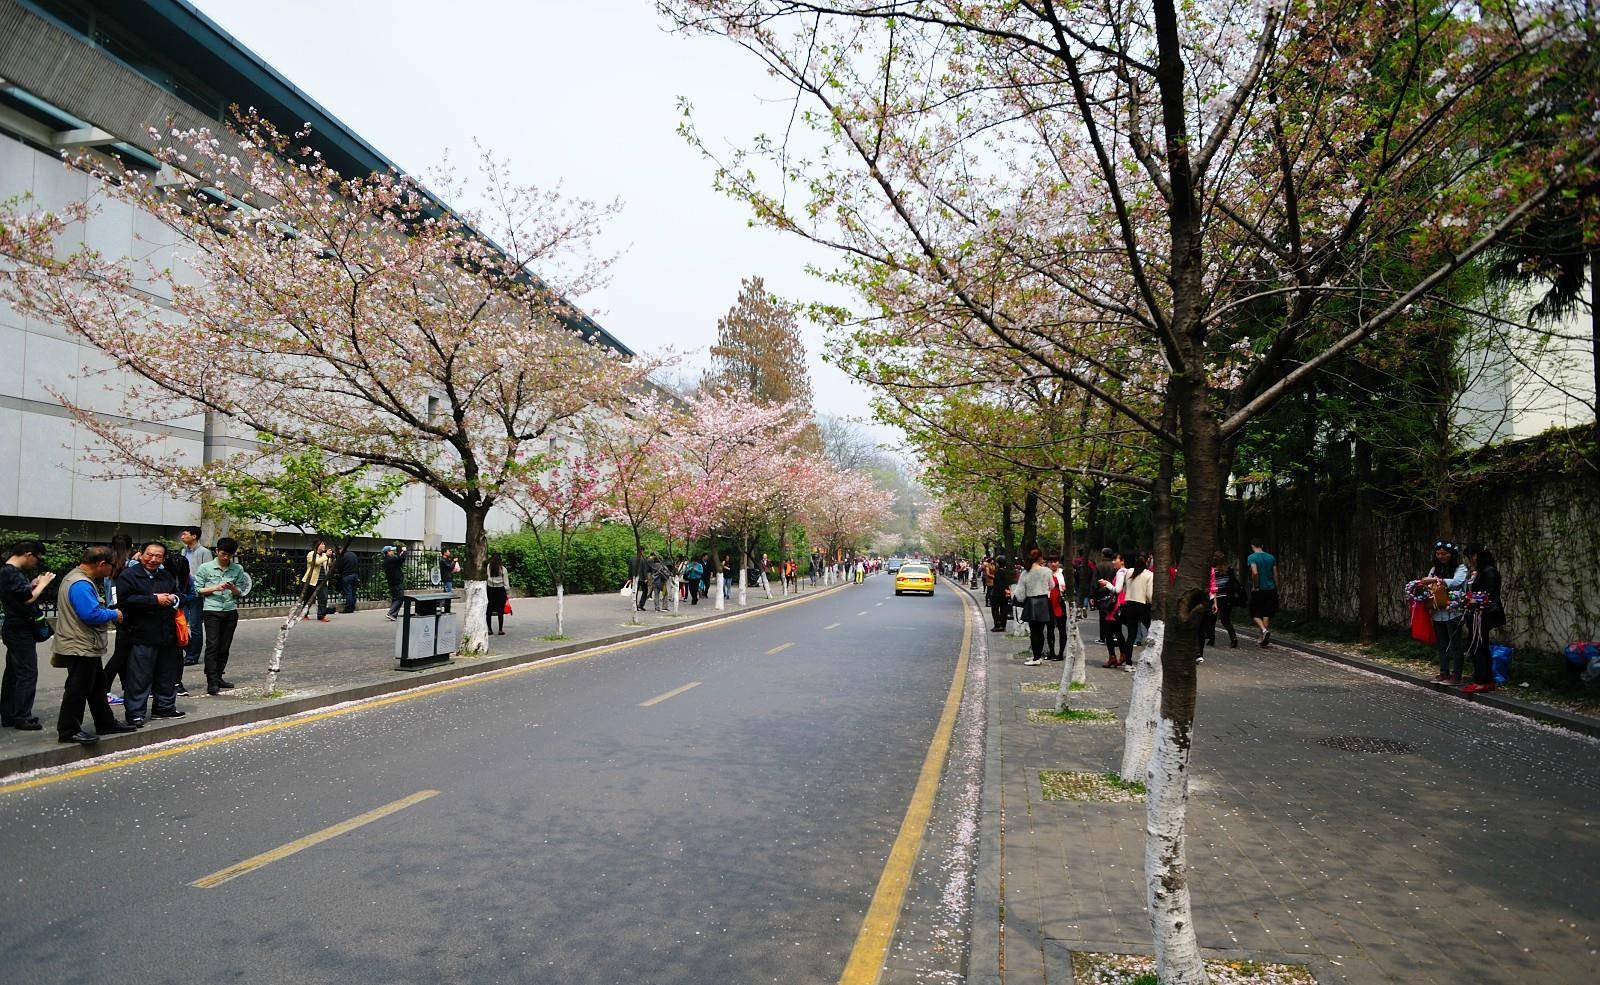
[{"x": 220, "y": 583}]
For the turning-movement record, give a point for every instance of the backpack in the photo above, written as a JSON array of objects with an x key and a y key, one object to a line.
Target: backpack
[{"x": 693, "y": 571}]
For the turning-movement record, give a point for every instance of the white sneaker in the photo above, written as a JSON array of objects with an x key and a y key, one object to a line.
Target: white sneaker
[{"x": 1032, "y": 662}]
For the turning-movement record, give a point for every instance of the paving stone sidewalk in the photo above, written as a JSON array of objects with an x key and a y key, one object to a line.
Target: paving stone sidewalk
[
  {"x": 352, "y": 651},
  {"x": 1472, "y": 856}
]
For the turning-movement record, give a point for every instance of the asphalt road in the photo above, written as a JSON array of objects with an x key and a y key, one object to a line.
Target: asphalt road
[{"x": 733, "y": 831}]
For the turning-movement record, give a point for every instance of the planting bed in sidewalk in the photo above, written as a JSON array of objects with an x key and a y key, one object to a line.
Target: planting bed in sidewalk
[{"x": 1095, "y": 968}]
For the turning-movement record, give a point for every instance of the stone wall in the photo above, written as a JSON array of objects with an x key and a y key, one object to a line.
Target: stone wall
[{"x": 1544, "y": 530}]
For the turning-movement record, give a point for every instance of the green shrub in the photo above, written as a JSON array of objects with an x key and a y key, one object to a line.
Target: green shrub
[{"x": 597, "y": 559}]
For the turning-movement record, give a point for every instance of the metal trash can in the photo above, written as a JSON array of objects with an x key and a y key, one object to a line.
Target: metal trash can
[{"x": 426, "y": 634}]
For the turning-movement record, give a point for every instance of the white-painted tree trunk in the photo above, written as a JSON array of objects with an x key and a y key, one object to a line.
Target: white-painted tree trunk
[
  {"x": 1139, "y": 728},
  {"x": 743, "y": 574},
  {"x": 1077, "y": 656},
  {"x": 1166, "y": 870},
  {"x": 720, "y": 605},
  {"x": 561, "y": 605},
  {"x": 474, "y": 620},
  {"x": 275, "y": 662},
  {"x": 672, "y": 586}
]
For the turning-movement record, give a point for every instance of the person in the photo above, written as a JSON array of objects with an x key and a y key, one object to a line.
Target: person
[
  {"x": 659, "y": 573},
  {"x": 83, "y": 621},
  {"x": 693, "y": 572},
  {"x": 1108, "y": 575},
  {"x": 1060, "y": 601},
  {"x": 194, "y": 554},
  {"x": 220, "y": 583},
  {"x": 149, "y": 600},
  {"x": 727, "y": 578},
  {"x": 19, "y": 600},
  {"x": 1447, "y": 575},
  {"x": 314, "y": 581},
  {"x": 394, "y": 572},
  {"x": 815, "y": 570},
  {"x": 122, "y": 556},
  {"x": 639, "y": 574},
  {"x": 1483, "y": 576},
  {"x": 1263, "y": 590},
  {"x": 449, "y": 567},
  {"x": 991, "y": 592},
  {"x": 178, "y": 567},
  {"x": 347, "y": 569},
  {"x": 499, "y": 590},
  {"x": 1138, "y": 591},
  {"x": 1226, "y": 592},
  {"x": 1033, "y": 592}
]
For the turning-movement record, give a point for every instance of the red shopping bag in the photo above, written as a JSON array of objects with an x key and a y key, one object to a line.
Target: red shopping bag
[
  {"x": 1421, "y": 624},
  {"x": 508, "y": 607}
]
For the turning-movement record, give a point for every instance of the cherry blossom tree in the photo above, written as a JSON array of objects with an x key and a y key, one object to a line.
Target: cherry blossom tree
[
  {"x": 556, "y": 504},
  {"x": 352, "y": 313},
  {"x": 1194, "y": 186}
]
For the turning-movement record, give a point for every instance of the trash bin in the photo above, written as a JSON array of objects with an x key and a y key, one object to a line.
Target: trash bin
[{"x": 426, "y": 633}]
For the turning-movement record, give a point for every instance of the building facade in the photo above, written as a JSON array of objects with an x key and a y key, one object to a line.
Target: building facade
[{"x": 92, "y": 77}]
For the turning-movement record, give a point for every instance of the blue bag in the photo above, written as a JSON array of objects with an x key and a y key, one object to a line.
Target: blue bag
[{"x": 1500, "y": 662}]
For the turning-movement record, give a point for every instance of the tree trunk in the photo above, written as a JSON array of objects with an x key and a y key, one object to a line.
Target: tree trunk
[
  {"x": 474, "y": 621},
  {"x": 1311, "y": 531},
  {"x": 1594, "y": 342},
  {"x": 1006, "y": 533},
  {"x": 1366, "y": 546},
  {"x": 275, "y": 662},
  {"x": 561, "y": 599},
  {"x": 1139, "y": 726},
  {"x": 1092, "y": 528},
  {"x": 718, "y": 604},
  {"x": 1066, "y": 519},
  {"x": 1161, "y": 516},
  {"x": 1076, "y": 669},
  {"x": 1030, "y": 519}
]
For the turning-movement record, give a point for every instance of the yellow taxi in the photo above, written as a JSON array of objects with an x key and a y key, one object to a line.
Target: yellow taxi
[{"x": 913, "y": 578}]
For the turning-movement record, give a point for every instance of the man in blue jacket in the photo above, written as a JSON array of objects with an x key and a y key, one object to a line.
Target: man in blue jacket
[{"x": 82, "y": 621}]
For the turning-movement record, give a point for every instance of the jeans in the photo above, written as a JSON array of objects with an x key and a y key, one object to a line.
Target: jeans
[
  {"x": 447, "y": 585},
  {"x": 151, "y": 676},
  {"x": 397, "y": 595},
  {"x": 197, "y": 632},
  {"x": 1449, "y": 641},
  {"x": 347, "y": 584},
  {"x": 220, "y": 627},
  {"x": 86, "y": 687},
  {"x": 21, "y": 677}
]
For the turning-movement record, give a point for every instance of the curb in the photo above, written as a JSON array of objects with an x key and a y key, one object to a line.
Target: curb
[
  {"x": 67, "y": 755},
  {"x": 984, "y": 943},
  {"x": 1545, "y": 716}
]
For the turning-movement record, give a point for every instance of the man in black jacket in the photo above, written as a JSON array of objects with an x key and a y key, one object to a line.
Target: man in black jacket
[
  {"x": 348, "y": 570},
  {"x": 394, "y": 572},
  {"x": 148, "y": 598}
]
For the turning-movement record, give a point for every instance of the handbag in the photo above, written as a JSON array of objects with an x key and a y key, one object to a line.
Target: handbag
[
  {"x": 1422, "y": 624},
  {"x": 508, "y": 607},
  {"x": 41, "y": 630},
  {"x": 182, "y": 622}
]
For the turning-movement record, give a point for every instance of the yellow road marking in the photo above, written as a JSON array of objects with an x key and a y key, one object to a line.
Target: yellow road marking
[
  {"x": 670, "y": 694},
  {"x": 831, "y": 625},
  {"x": 301, "y": 844},
  {"x": 424, "y": 691},
  {"x": 865, "y": 965},
  {"x": 779, "y": 648}
]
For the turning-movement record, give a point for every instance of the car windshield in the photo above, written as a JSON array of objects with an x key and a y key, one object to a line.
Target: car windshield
[{"x": 913, "y": 569}]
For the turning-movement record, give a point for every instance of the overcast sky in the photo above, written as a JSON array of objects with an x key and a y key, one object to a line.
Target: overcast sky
[{"x": 580, "y": 91}]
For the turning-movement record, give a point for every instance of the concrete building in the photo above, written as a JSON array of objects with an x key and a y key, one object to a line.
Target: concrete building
[{"x": 91, "y": 76}]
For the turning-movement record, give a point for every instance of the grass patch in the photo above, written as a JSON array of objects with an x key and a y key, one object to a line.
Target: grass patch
[
  {"x": 1040, "y": 687},
  {"x": 1094, "y": 968},
  {"x": 1099, "y": 788},
  {"x": 1080, "y": 686},
  {"x": 1536, "y": 675},
  {"x": 1088, "y": 716},
  {"x": 554, "y": 637},
  {"x": 275, "y": 694}
]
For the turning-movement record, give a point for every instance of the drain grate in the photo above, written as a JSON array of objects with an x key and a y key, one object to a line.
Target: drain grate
[{"x": 1367, "y": 743}]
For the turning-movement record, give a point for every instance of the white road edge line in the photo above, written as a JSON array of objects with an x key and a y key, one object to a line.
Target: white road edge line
[
  {"x": 670, "y": 694},
  {"x": 831, "y": 625}
]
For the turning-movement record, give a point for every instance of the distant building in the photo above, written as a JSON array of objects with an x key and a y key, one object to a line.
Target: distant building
[
  {"x": 93, "y": 76},
  {"x": 1524, "y": 381}
]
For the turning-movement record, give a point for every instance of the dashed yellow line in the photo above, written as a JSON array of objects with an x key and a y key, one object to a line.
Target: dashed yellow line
[
  {"x": 301, "y": 844},
  {"x": 865, "y": 965},
  {"x": 424, "y": 691},
  {"x": 779, "y": 648},
  {"x": 670, "y": 694}
]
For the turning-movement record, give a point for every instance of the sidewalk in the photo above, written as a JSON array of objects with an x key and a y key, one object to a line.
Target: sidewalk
[
  {"x": 349, "y": 658},
  {"x": 1465, "y": 851}
]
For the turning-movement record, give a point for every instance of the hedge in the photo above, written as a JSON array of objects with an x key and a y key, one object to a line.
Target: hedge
[{"x": 597, "y": 559}]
